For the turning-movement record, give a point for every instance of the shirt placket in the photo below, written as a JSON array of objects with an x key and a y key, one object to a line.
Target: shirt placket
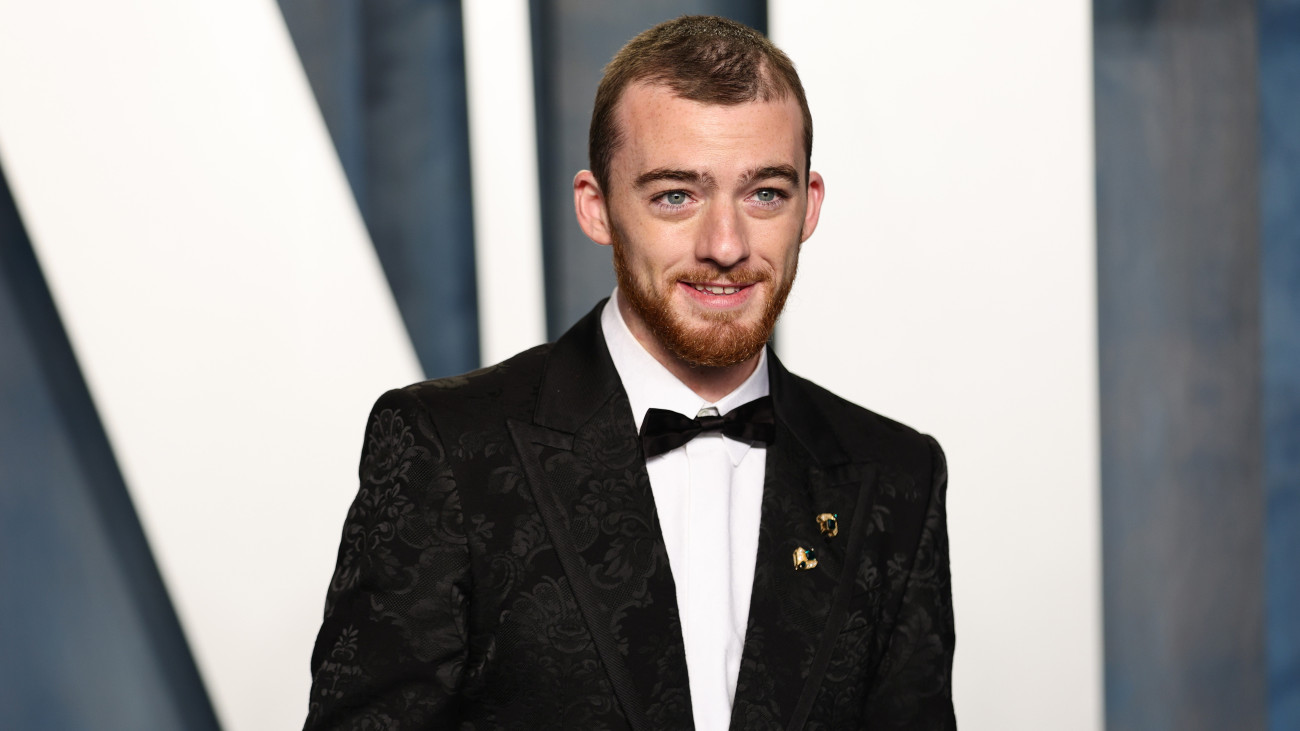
[{"x": 709, "y": 578}]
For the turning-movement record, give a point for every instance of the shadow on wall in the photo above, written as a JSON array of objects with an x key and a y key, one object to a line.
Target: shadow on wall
[{"x": 89, "y": 637}]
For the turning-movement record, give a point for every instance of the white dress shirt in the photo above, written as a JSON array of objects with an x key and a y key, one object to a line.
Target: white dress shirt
[{"x": 709, "y": 496}]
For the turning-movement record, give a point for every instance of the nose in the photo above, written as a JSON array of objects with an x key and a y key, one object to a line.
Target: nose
[{"x": 723, "y": 237}]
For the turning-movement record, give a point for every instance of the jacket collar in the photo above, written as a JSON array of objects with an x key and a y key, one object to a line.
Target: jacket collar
[{"x": 580, "y": 378}]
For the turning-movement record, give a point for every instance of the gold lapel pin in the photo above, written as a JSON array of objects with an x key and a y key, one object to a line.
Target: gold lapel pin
[
  {"x": 829, "y": 525},
  {"x": 804, "y": 558}
]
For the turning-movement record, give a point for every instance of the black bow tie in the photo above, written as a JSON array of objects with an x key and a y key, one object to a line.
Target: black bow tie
[{"x": 663, "y": 430}]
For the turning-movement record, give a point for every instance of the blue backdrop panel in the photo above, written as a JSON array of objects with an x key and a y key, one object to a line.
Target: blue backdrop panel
[
  {"x": 88, "y": 636},
  {"x": 572, "y": 42},
  {"x": 329, "y": 36},
  {"x": 1180, "y": 370},
  {"x": 389, "y": 76},
  {"x": 1279, "y": 103}
]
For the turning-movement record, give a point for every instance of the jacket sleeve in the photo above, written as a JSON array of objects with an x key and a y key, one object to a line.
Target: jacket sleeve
[
  {"x": 392, "y": 646},
  {"x": 913, "y": 688}
]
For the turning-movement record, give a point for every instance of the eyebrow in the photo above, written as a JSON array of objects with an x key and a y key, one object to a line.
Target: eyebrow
[
  {"x": 681, "y": 176},
  {"x": 781, "y": 172}
]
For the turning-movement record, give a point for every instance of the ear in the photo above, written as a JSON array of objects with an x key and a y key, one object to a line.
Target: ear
[
  {"x": 816, "y": 192},
  {"x": 590, "y": 205}
]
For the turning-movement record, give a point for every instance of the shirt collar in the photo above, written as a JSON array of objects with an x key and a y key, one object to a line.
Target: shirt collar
[{"x": 650, "y": 385}]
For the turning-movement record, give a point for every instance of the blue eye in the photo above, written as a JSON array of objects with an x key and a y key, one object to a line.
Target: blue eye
[
  {"x": 766, "y": 195},
  {"x": 675, "y": 198}
]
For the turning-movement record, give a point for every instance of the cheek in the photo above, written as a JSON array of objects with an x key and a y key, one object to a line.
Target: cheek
[
  {"x": 655, "y": 254},
  {"x": 781, "y": 249}
]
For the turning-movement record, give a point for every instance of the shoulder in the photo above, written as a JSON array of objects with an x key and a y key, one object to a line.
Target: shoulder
[
  {"x": 506, "y": 389},
  {"x": 510, "y": 375},
  {"x": 864, "y": 435}
]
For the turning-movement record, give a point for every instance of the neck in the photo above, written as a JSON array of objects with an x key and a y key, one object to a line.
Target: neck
[{"x": 710, "y": 383}]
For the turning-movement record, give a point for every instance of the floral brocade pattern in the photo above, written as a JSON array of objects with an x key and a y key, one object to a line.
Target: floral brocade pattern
[
  {"x": 502, "y": 565},
  {"x": 396, "y": 609},
  {"x": 893, "y": 663}
]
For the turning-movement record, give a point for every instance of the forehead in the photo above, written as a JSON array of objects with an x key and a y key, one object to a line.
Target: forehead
[{"x": 660, "y": 129}]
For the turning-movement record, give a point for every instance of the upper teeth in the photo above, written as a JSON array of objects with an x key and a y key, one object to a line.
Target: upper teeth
[{"x": 716, "y": 290}]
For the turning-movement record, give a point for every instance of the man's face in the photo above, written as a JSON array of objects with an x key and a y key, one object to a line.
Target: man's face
[{"x": 707, "y": 207}]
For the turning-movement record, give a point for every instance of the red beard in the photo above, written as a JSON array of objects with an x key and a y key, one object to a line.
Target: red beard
[{"x": 723, "y": 340}]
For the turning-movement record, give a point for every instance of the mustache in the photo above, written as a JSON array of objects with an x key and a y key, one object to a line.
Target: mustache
[{"x": 715, "y": 275}]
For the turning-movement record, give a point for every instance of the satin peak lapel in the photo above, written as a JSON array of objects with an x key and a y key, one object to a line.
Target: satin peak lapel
[
  {"x": 795, "y": 616},
  {"x": 582, "y": 457}
]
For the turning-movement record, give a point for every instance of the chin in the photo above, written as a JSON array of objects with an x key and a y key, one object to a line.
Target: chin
[{"x": 716, "y": 341}]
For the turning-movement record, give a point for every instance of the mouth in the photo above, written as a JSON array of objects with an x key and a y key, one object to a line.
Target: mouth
[
  {"x": 719, "y": 296},
  {"x": 723, "y": 289}
]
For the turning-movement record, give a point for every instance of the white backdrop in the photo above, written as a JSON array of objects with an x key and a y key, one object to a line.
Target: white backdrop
[
  {"x": 503, "y": 154},
  {"x": 951, "y": 286},
  {"x": 222, "y": 297}
]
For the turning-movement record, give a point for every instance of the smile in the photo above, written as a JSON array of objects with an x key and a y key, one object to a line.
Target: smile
[{"x": 716, "y": 289}]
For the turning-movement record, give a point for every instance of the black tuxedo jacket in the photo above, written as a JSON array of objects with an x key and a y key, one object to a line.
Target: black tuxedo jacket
[{"x": 502, "y": 565}]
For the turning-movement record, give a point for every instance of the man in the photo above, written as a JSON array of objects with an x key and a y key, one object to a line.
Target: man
[{"x": 651, "y": 523}]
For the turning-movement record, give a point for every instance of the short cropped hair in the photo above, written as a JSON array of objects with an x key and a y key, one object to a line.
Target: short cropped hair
[{"x": 701, "y": 58}]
